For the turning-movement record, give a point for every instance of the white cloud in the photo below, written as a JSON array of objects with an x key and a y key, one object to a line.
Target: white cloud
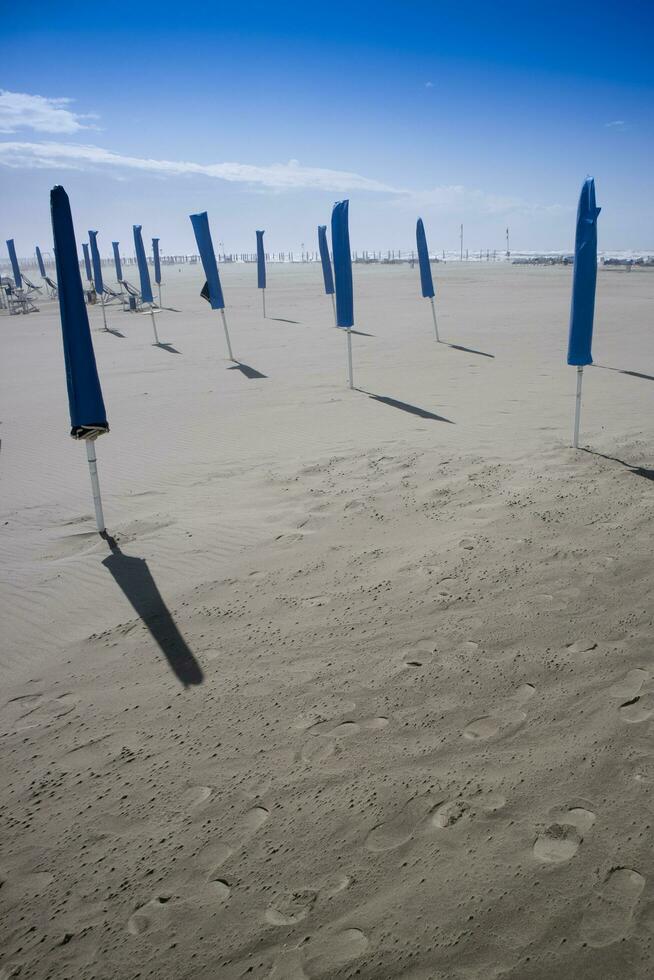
[
  {"x": 429, "y": 84},
  {"x": 616, "y": 124},
  {"x": 449, "y": 199},
  {"x": 21, "y": 111}
]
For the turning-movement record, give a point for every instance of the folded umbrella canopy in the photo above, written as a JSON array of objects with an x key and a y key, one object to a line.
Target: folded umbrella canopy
[
  {"x": 261, "y": 268},
  {"x": 157, "y": 265},
  {"x": 327, "y": 277},
  {"x": 88, "y": 417},
  {"x": 584, "y": 279},
  {"x": 343, "y": 276},
  {"x": 11, "y": 248},
  {"x": 87, "y": 263},
  {"x": 117, "y": 263},
  {"x": 144, "y": 275},
  {"x": 212, "y": 290},
  {"x": 426, "y": 281},
  {"x": 97, "y": 272},
  {"x": 39, "y": 259}
]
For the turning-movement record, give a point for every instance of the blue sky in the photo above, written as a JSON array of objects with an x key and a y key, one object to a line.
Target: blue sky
[{"x": 487, "y": 114}]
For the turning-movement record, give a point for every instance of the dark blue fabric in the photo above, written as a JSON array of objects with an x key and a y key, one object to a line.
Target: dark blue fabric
[
  {"x": 97, "y": 265},
  {"x": 144, "y": 272},
  {"x": 39, "y": 259},
  {"x": 261, "y": 261},
  {"x": 84, "y": 392},
  {"x": 18, "y": 279},
  {"x": 342, "y": 265},
  {"x": 119, "y": 268},
  {"x": 202, "y": 233},
  {"x": 326, "y": 261},
  {"x": 157, "y": 265},
  {"x": 87, "y": 262},
  {"x": 584, "y": 278},
  {"x": 426, "y": 281}
]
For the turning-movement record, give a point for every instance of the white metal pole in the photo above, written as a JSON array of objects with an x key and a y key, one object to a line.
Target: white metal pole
[
  {"x": 229, "y": 346},
  {"x": 263, "y": 297},
  {"x": 575, "y": 439},
  {"x": 104, "y": 315},
  {"x": 95, "y": 484},
  {"x": 159, "y": 285},
  {"x": 433, "y": 313},
  {"x": 334, "y": 309},
  {"x": 349, "y": 358},
  {"x": 154, "y": 326}
]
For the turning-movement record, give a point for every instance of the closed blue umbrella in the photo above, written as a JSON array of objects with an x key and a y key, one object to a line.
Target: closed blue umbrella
[
  {"x": 144, "y": 274},
  {"x": 11, "y": 248},
  {"x": 426, "y": 281},
  {"x": 343, "y": 276},
  {"x": 584, "y": 279},
  {"x": 88, "y": 416},
  {"x": 261, "y": 268},
  {"x": 87, "y": 263},
  {"x": 39, "y": 259},
  {"x": 97, "y": 272},
  {"x": 325, "y": 260},
  {"x": 212, "y": 290},
  {"x": 117, "y": 263},
  {"x": 157, "y": 265}
]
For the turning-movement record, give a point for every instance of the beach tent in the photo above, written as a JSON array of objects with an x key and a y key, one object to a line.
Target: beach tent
[
  {"x": 212, "y": 290},
  {"x": 261, "y": 269},
  {"x": 88, "y": 417},
  {"x": 343, "y": 277},
  {"x": 327, "y": 277},
  {"x": 584, "y": 278},
  {"x": 144, "y": 275},
  {"x": 426, "y": 281},
  {"x": 97, "y": 272}
]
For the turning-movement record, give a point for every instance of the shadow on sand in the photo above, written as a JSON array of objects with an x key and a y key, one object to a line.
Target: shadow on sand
[
  {"x": 467, "y": 350},
  {"x": 633, "y": 374},
  {"x": 637, "y": 470},
  {"x": 422, "y": 413},
  {"x": 112, "y": 330},
  {"x": 134, "y": 579},
  {"x": 281, "y": 319},
  {"x": 246, "y": 370},
  {"x": 167, "y": 347}
]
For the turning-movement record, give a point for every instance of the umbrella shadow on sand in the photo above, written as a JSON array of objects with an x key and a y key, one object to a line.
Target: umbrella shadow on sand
[
  {"x": 163, "y": 345},
  {"x": 135, "y": 580},
  {"x": 406, "y": 407},
  {"x": 467, "y": 350},
  {"x": 247, "y": 370},
  {"x": 637, "y": 470},
  {"x": 633, "y": 374}
]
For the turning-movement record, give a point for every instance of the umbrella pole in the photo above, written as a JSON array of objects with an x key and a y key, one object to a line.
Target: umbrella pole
[
  {"x": 154, "y": 327},
  {"x": 263, "y": 297},
  {"x": 95, "y": 484},
  {"x": 349, "y": 358},
  {"x": 331, "y": 295},
  {"x": 433, "y": 313},
  {"x": 575, "y": 439},
  {"x": 229, "y": 346},
  {"x": 159, "y": 285},
  {"x": 104, "y": 315}
]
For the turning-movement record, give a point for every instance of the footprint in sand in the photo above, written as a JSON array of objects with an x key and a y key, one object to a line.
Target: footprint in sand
[
  {"x": 584, "y": 645},
  {"x": 637, "y": 709},
  {"x": 349, "y": 727},
  {"x": 317, "y": 750},
  {"x": 560, "y": 841},
  {"x": 488, "y": 726},
  {"x": 148, "y": 917},
  {"x": 611, "y": 912},
  {"x": 325, "y": 956},
  {"x": 195, "y": 796},
  {"x": 290, "y": 908},
  {"x": 216, "y": 853},
  {"x": 451, "y": 813},
  {"x": 391, "y": 834},
  {"x": 630, "y": 684}
]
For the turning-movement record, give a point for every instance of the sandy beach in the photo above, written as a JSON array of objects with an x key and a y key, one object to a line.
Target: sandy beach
[{"x": 363, "y": 683}]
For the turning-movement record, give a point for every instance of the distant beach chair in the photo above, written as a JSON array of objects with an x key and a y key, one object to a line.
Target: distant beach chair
[
  {"x": 31, "y": 287},
  {"x": 113, "y": 296},
  {"x": 19, "y": 301},
  {"x": 135, "y": 300},
  {"x": 53, "y": 289}
]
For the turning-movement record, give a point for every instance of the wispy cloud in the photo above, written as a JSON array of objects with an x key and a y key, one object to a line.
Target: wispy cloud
[
  {"x": 429, "y": 84},
  {"x": 615, "y": 124},
  {"x": 455, "y": 198},
  {"x": 45, "y": 115}
]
